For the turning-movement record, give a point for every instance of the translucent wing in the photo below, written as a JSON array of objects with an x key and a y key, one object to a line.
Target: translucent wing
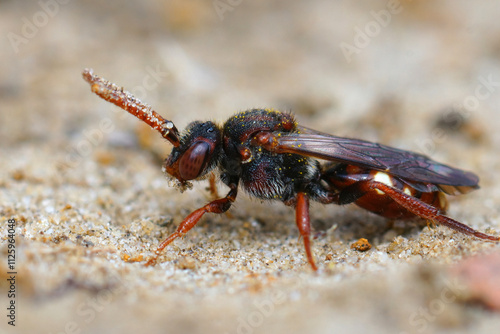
[{"x": 407, "y": 165}]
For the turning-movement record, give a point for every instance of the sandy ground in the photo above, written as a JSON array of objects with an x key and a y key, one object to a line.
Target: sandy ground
[{"x": 83, "y": 180}]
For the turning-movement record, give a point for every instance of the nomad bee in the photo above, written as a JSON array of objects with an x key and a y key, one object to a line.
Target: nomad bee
[{"x": 273, "y": 158}]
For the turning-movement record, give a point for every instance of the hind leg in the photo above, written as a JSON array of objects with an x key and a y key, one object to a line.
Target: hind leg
[{"x": 425, "y": 211}]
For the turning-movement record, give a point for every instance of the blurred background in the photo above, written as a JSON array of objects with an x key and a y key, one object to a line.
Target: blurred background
[
  {"x": 364, "y": 69},
  {"x": 419, "y": 75}
]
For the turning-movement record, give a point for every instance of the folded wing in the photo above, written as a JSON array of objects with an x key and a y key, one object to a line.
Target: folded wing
[{"x": 407, "y": 165}]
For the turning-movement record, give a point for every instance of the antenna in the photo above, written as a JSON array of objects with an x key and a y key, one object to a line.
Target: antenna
[{"x": 125, "y": 100}]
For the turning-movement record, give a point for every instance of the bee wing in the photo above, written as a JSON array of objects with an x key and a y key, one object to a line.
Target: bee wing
[{"x": 407, "y": 165}]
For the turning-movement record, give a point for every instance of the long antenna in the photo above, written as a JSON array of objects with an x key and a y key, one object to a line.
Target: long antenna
[{"x": 125, "y": 100}]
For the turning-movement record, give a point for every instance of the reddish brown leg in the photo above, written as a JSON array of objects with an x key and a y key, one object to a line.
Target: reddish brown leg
[
  {"x": 427, "y": 211},
  {"x": 212, "y": 186},
  {"x": 218, "y": 206},
  {"x": 304, "y": 225}
]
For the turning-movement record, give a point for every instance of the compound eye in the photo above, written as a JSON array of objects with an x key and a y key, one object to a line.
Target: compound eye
[{"x": 194, "y": 160}]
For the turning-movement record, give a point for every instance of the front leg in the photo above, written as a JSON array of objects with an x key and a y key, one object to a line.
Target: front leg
[{"x": 220, "y": 205}]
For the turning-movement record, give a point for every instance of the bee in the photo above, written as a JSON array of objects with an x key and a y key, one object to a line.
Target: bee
[{"x": 271, "y": 157}]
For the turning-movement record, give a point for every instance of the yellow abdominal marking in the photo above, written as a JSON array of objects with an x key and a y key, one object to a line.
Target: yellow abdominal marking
[{"x": 382, "y": 178}]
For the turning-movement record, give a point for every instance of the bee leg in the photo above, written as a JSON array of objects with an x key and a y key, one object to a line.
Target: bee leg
[
  {"x": 220, "y": 205},
  {"x": 426, "y": 211},
  {"x": 212, "y": 186},
  {"x": 304, "y": 224}
]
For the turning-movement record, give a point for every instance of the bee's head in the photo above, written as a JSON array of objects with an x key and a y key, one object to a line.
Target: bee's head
[{"x": 196, "y": 155}]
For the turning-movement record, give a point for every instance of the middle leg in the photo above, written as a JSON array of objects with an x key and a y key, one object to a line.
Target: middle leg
[{"x": 304, "y": 224}]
